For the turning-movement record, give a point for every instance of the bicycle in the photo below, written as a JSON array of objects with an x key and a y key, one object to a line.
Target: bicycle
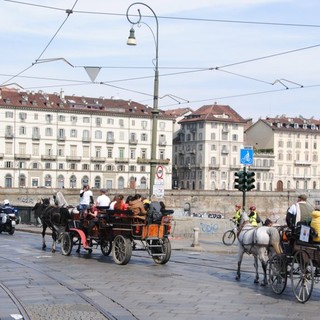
[{"x": 229, "y": 237}]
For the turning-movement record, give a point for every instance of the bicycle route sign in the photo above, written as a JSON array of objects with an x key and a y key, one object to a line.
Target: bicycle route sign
[{"x": 246, "y": 157}]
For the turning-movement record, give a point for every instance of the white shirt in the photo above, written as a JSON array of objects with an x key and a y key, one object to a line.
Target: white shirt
[
  {"x": 85, "y": 199},
  {"x": 103, "y": 201}
]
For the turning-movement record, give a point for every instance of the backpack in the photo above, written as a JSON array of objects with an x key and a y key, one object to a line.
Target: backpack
[{"x": 154, "y": 213}]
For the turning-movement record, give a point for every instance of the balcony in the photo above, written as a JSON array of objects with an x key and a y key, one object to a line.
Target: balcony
[
  {"x": 121, "y": 160},
  {"x": 22, "y": 156},
  {"x": 73, "y": 159},
  {"x": 61, "y": 138},
  {"x": 133, "y": 141},
  {"x": 86, "y": 139},
  {"x": 36, "y": 137},
  {"x": 214, "y": 166},
  {"x": 8, "y": 135},
  {"x": 299, "y": 163},
  {"x": 110, "y": 140},
  {"x": 48, "y": 157},
  {"x": 98, "y": 159},
  {"x": 224, "y": 151},
  {"x": 1, "y": 155},
  {"x": 162, "y": 143}
]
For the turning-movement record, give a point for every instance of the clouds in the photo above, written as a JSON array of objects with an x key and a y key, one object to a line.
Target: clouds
[{"x": 207, "y": 35}]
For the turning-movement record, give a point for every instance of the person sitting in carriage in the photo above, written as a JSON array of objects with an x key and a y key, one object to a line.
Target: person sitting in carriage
[
  {"x": 137, "y": 207},
  {"x": 254, "y": 218},
  {"x": 299, "y": 212}
]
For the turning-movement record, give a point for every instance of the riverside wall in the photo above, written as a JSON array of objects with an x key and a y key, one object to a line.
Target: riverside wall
[{"x": 184, "y": 202}]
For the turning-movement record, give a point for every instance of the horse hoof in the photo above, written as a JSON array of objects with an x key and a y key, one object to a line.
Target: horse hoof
[
  {"x": 53, "y": 251},
  {"x": 237, "y": 278},
  {"x": 78, "y": 251},
  {"x": 263, "y": 284},
  {"x": 44, "y": 247},
  {"x": 256, "y": 281}
]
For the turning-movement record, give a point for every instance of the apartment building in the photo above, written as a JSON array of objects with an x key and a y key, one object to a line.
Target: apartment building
[
  {"x": 207, "y": 148},
  {"x": 290, "y": 147},
  {"x": 58, "y": 141}
]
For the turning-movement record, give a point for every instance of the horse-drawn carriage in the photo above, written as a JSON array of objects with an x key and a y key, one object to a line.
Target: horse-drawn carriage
[
  {"x": 300, "y": 261},
  {"x": 118, "y": 231}
]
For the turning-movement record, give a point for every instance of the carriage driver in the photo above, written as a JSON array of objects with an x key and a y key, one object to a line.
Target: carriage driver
[{"x": 301, "y": 211}]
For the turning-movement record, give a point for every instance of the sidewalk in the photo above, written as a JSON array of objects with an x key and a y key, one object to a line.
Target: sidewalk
[{"x": 205, "y": 244}]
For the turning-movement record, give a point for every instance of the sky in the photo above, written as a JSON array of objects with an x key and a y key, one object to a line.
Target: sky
[{"x": 261, "y": 57}]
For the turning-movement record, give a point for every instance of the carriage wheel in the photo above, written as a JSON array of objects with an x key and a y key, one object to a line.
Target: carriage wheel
[
  {"x": 121, "y": 250},
  {"x": 302, "y": 276},
  {"x": 278, "y": 273},
  {"x": 160, "y": 250},
  {"x": 66, "y": 244},
  {"x": 12, "y": 230},
  {"x": 229, "y": 237},
  {"x": 106, "y": 247}
]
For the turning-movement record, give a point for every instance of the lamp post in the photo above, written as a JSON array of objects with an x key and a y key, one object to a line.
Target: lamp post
[{"x": 155, "y": 110}]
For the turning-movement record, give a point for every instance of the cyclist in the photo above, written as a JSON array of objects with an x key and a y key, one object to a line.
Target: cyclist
[
  {"x": 254, "y": 218},
  {"x": 237, "y": 215}
]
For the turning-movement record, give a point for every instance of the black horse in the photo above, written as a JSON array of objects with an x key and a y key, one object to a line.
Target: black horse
[{"x": 54, "y": 216}]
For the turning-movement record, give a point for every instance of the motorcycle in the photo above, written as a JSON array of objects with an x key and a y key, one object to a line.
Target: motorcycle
[{"x": 7, "y": 222}]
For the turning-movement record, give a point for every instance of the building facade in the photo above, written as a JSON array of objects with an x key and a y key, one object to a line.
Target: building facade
[
  {"x": 292, "y": 145},
  {"x": 206, "y": 150},
  {"x": 58, "y": 141}
]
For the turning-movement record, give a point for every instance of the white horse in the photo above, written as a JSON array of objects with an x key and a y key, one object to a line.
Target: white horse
[{"x": 257, "y": 241}]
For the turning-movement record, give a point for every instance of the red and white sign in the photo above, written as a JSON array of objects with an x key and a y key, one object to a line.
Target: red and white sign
[{"x": 159, "y": 172}]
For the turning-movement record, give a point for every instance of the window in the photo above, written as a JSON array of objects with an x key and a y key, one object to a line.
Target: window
[
  {"x": 144, "y": 137},
  {"x": 48, "y": 132},
  {"x": 142, "y": 168},
  {"x": 9, "y": 114},
  {"x": 144, "y": 124},
  {"x": 35, "y": 149},
  {"x": 132, "y": 168},
  {"x": 47, "y": 165},
  {"x": 213, "y": 136},
  {"x": 109, "y": 153},
  {"x": 97, "y": 167},
  {"x": 110, "y": 136},
  {"x": 121, "y": 153},
  {"x": 98, "y": 134},
  {"x": 61, "y": 134},
  {"x": 121, "y": 123},
  {"x": 143, "y": 153},
  {"x": 73, "y": 133},
  {"x": 35, "y": 165},
  {"x": 110, "y": 121},
  {"x": 98, "y": 122},
  {"x": 85, "y": 167},
  {"x": 73, "y": 166},
  {"x": 22, "y": 116},
  {"x": 73, "y": 119},
  {"x": 22, "y": 131},
  {"x": 234, "y": 137},
  {"x": 162, "y": 125},
  {"x": 161, "y": 154},
  {"x": 60, "y": 166},
  {"x": 8, "y": 164},
  {"x": 86, "y": 120},
  {"x": 49, "y": 118},
  {"x": 61, "y": 151},
  {"x": 61, "y": 118},
  {"x": 224, "y": 136},
  {"x": 132, "y": 153}
]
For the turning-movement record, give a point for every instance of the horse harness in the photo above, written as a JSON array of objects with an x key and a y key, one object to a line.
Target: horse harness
[{"x": 254, "y": 237}]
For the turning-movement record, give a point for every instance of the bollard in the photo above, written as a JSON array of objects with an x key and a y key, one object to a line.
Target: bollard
[{"x": 196, "y": 238}]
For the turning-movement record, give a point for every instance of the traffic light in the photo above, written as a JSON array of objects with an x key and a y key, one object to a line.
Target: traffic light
[
  {"x": 240, "y": 180},
  {"x": 250, "y": 180}
]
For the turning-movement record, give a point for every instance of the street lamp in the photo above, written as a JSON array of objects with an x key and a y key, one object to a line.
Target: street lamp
[{"x": 155, "y": 110}]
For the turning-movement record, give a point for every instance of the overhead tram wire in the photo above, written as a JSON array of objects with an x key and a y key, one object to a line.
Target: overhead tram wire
[
  {"x": 46, "y": 47},
  {"x": 281, "y": 24}
]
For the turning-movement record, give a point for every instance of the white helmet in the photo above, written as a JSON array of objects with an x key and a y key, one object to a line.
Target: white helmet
[{"x": 6, "y": 202}]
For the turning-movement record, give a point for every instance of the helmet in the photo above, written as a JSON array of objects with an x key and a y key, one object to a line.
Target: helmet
[
  {"x": 252, "y": 208},
  {"x": 238, "y": 206},
  {"x": 6, "y": 202}
]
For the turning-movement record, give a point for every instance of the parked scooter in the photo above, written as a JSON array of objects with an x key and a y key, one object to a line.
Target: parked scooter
[{"x": 8, "y": 218}]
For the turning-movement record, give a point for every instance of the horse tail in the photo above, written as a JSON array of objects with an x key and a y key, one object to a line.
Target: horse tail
[{"x": 275, "y": 239}]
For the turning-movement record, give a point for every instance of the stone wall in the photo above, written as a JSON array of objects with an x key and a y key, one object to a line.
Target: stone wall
[{"x": 184, "y": 202}]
